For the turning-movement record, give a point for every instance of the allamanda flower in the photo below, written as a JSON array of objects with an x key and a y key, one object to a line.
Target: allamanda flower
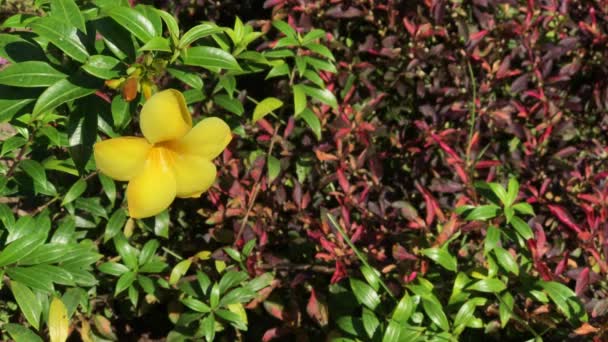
[{"x": 173, "y": 160}]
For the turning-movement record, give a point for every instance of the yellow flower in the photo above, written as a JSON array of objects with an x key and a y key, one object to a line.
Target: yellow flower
[{"x": 173, "y": 160}]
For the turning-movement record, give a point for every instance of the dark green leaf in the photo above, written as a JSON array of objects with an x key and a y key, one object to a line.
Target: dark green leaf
[
  {"x": 32, "y": 277},
  {"x": 312, "y": 121},
  {"x": 125, "y": 280},
  {"x": 161, "y": 224},
  {"x": 231, "y": 279},
  {"x": 63, "y": 91},
  {"x": 28, "y": 303},
  {"x": 67, "y": 11},
  {"x": 115, "y": 224},
  {"x": 274, "y": 168},
  {"x": 21, "y": 248},
  {"x": 127, "y": 252},
  {"x": 235, "y": 319},
  {"x": 133, "y": 21},
  {"x": 238, "y": 295},
  {"x": 466, "y": 311},
  {"x": 505, "y": 309},
  {"x": 322, "y": 95},
  {"x": 208, "y": 327},
  {"x": 62, "y": 35},
  {"x": 75, "y": 191},
  {"x": 47, "y": 253},
  {"x": 492, "y": 239},
  {"x": 148, "y": 251},
  {"x": 30, "y": 74},
  {"x": 232, "y": 105},
  {"x": 320, "y": 64},
  {"x": 404, "y": 309}
]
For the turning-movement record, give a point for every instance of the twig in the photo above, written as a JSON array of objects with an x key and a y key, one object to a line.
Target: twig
[{"x": 256, "y": 188}]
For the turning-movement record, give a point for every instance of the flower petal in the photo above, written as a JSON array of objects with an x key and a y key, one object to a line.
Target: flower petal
[
  {"x": 121, "y": 158},
  {"x": 207, "y": 139},
  {"x": 153, "y": 190},
  {"x": 165, "y": 116},
  {"x": 194, "y": 175}
]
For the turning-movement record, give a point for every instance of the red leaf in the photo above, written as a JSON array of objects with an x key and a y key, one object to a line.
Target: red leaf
[
  {"x": 564, "y": 217},
  {"x": 317, "y": 310},
  {"x": 582, "y": 281}
]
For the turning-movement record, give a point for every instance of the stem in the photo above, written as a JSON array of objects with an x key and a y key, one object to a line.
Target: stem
[
  {"x": 358, "y": 253},
  {"x": 256, "y": 188}
]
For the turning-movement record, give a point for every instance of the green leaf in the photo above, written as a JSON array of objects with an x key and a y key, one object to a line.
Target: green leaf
[
  {"x": 524, "y": 208},
  {"x": 319, "y": 64},
  {"x": 466, "y": 311},
  {"x": 285, "y": 28},
  {"x": 522, "y": 228},
  {"x": 46, "y": 253},
  {"x": 135, "y": 22},
  {"x": 19, "y": 333},
  {"x": 312, "y": 121},
  {"x": 116, "y": 38},
  {"x": 52, "y": 274},
  {"x": 161, "y": 224},
  {"x": 157, "y": 44},
  {"x": 214, "y": 297},
  {"x": 321, "y": 50},
  {"x": 506, "y": 260},
  {"x": 299, "y": 99},
  {"x": 125, "y": 280},
  {"x": 235, "y": 319},
  {"x": 441, "y": 256},
  {"x": 127, "y": 252},
  {"x": 232, "y": 105},
  {"x": 238, "y": 295},
  {"x": 499, "y": 191},
  {"x": 351, "y": 325},
  {"x": 565, "y": 299},
  {"x": 370, "y": 322},
  {"x": 148, "y": 251},
  {"x": 312, "y": 36},
  {"x": 198, "y": 32},
  {"x": 63, "y": 91},
  {"x": 314, "y": 78},
  {"x": 28, "y": 303},
  {"x": 489, "y": 285},
  {"x": 372, "y": 276},
  {"x": 512, "y": 191},
  {"x": 274, "y": 168},
  {"x": 30, "y": 74},
  {"x": 32, "y": 277},
  {"x": 179, "y": 270},
  {"x": 104, "y": 67},
  {"x": 492, "y": 239},
  {"x": 113, "y": 268},
  {"x": 392, "y": 332},
  {"x": 208, "y": 327},
  {"x": 434, "y": 311},
  {"x": 404, "y": 309},
  {"x": 77, "y": 189},
  {"x": 15, "y": 101},
  {"x": 322, "y": 95},
  {"x": 62, "y": 35},
  {"x": 505, "y": 309},
  {"x": 210, "y": 58},
  {"x": 67, "y": 11},
  {"x": 231, "y": 279},
  {"x": 266, "y": 106},
  {"x": 115, "y": 224},
  {"x": 188, "y": 77},
  {"x": 483, "y": 213},
  {"x": 196, "y": 305},
  {"x": 278, "y": 70},
  {"x": 171, "y": 24},
  {"x": 21, "y": 248},
  {"x": 364, "y": 293}
]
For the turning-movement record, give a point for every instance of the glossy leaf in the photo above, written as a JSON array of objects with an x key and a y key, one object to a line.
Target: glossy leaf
[
  {"x": 135, "y": 22},
  {"x": 62, "y": 35},
  {"x": 30, "y": 74},
  {"x": 28, "y": 303},
  {"x": 266, "y": 106},
  {"x": 210, "y": 58}
]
